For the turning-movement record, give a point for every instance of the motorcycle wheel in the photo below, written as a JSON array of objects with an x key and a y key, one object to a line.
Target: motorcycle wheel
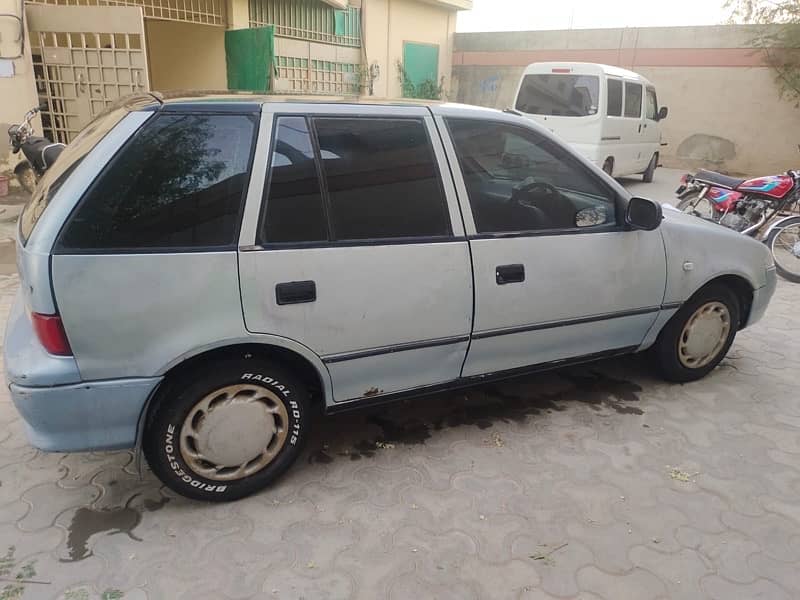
[
  {"x": 692, "y": 204},
  {"x": 25, "y": 176},
  {"x": 784, "y": 243}
]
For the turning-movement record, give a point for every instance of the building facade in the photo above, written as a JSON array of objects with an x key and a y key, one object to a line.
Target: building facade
[{"x": 75, "y": 57}]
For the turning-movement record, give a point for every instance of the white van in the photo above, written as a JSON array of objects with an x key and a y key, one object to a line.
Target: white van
[{"x": 608, "y": 114}]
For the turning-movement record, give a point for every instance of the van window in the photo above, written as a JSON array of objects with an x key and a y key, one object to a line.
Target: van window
[
  {"x": 614, "y": 98},
  {"x": 179, "y": 183},
  {"x": 67, "y": 162},
  {"x": 633, "y": 100},
  {"x": 559, "y": 95},
  {"x": 295, "y": 210},
  {"x": 520, "y": 181},
  {"x": 652, "y": 105},
  {"x": 382, "y": 179}
]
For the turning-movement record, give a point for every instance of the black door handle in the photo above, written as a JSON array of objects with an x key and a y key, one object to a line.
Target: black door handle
[
  {"x": 295, "y": 292},
  {"x": 509, "y": 274}
]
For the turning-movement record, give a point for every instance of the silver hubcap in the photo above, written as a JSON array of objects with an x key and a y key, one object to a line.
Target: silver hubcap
[
  {"x": 704, "y": 335},
  {"x": 234, "y": 432},
  {"x": 786, "y": 249}
]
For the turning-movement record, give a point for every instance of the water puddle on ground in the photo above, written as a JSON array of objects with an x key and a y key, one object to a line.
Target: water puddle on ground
[{"x": 87, "y": 522}]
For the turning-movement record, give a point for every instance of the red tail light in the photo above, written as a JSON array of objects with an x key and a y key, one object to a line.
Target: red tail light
[{"x": 50, "y": 331}]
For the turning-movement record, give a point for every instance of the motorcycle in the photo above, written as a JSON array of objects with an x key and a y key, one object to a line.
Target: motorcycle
[
  {"x": 40, "y": 153},
  {"x": 764, "y": 208}
]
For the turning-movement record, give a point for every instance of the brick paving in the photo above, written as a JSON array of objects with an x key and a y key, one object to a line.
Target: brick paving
[{"x": 592, "y": 483}]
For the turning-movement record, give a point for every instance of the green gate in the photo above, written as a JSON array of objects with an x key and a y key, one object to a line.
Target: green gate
[
  {"x": 249, "y": 56},
  {"x": 420, "y": 69}
]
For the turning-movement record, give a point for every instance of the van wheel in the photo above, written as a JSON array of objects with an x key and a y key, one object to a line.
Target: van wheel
[
  {"x": 608, "y": 166},
  {"x": 650, "y": 172},
  {"x": 228, "y": 430},
  {"x": 698, "y": 336}
]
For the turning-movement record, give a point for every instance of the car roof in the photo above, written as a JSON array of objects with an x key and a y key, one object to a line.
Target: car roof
[{"x": 584, "y": 68}]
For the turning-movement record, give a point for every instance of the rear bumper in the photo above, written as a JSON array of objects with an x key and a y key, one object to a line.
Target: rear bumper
[
  {"x": 61, "y": 412},
  {"x": 762, "y": 296},
  {"x": 95, "y": 415}
]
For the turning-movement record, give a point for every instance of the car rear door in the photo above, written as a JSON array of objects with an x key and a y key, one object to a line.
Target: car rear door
[
  {"x": 356, "y": 247},
  {"x": 557, "y": 276}
]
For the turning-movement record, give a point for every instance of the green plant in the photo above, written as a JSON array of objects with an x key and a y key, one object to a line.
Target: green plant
[
  {"x": 428, "y": 89},
  {"x": 778, "y": 37}
]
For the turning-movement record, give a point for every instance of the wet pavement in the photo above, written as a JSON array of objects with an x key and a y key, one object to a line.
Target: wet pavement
[{"x": 594, "y": 482}]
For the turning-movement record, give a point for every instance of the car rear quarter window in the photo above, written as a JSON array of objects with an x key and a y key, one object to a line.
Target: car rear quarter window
[
  {"x": 178, "y": 184},
  {"x": 382, "y": 179}
]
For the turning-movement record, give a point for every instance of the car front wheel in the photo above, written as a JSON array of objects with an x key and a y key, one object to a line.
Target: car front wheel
[
  {"x": 698, "y": 336},
  {"x": 228, "y": 430}
]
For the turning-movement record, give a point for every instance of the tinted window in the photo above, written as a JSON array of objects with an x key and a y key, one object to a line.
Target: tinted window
[
  {"x": 614, "y": 98},
  {"x": 559, "y": 95},
  {"x": 633, "y": 100},
  {"x": 652, "y": 105},
  {"x": 381, "y": 178},
  {"x": 295, "y": 210},
  {"x": 518, "y": 180},
  {"x": 179, "y": 183},
  {"x": 67, "y": 161}
]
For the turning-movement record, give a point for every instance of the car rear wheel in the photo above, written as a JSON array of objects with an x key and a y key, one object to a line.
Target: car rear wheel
[
  {"x": 698, "y": 336},
  {"x": 227, "y": 430},
  {"x": 608, "y": 166}
]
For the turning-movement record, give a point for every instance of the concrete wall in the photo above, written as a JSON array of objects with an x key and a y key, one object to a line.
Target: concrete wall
[
  {"x": 386, "y": 24},
  {"x": 185, "y": 56},
  {"x": 725, "y": 108},
  {"x": 17, "y": 93}
]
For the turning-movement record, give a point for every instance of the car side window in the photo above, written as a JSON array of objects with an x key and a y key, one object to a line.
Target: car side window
[
  {"x": 633, "y": 100},
  {"x": 381, "y": 178},
  {"x": 295, "y": 209},
  {"x": 179, "y": 183},
  {"x": 614, "y": 98},
  {"x": 520, "y": 181},
  {"x": 652, "y": 105}
]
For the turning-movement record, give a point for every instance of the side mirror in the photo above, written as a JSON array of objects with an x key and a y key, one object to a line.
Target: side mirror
[
  {"x": 662, "y": 113},
  {"x": 643, "y": 214}
]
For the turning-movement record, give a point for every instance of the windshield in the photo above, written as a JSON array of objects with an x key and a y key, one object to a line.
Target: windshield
[
  {"x": 559, "y": 95},
  {"x": 66, "y": 163}
]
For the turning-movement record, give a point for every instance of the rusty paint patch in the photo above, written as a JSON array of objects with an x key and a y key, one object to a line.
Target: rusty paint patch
[{"x": 373, "y": 391}]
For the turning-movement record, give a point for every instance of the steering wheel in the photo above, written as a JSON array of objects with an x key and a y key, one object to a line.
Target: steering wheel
[{"x": 543, "y": 190}]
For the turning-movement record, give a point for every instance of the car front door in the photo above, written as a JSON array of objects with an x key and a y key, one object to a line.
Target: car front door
[
  {"x": 635, "y": 128},
  {"x": 651, "y": 129},
  {"x": 557, "y": 276},
  {"x": 357, "y": 250}
]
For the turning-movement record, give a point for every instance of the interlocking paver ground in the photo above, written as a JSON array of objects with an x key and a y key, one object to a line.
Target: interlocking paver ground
[{"x": 596, "y": 483}]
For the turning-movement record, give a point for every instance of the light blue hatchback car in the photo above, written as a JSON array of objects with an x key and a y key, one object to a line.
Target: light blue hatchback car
[{"x": 196, "y": 273}]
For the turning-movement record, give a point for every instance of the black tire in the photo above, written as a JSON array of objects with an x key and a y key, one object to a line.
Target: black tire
[
  {"x": 163, "y": 444},
  {"x": 666, "y": 351},
  {"x": 25, "y": 176},
  {"x": 608, "y": 166},
  {"x": 650, "y": 172},
  {"x": 770, "y": 242}
]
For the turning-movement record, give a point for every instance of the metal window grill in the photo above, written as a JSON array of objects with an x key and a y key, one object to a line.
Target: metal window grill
[
  {"x": 80, "y": 74},
  {"x": 206, "y": 12},
  {"x": 308, "y": 20},
  {"x": 313, "y": 76}
]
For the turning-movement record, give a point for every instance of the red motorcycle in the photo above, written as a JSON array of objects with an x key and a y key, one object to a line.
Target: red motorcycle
[{"x": 764, "y": 208}]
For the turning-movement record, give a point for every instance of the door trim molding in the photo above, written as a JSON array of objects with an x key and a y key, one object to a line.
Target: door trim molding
[
  {"x": 566, "y": 323},
  {"x": 345, "y": 356}
]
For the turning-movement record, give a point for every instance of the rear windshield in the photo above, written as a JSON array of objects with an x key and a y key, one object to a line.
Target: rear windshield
[
  {"x": 66, "y": 163},
  {"x": 559, "y": 95}
]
